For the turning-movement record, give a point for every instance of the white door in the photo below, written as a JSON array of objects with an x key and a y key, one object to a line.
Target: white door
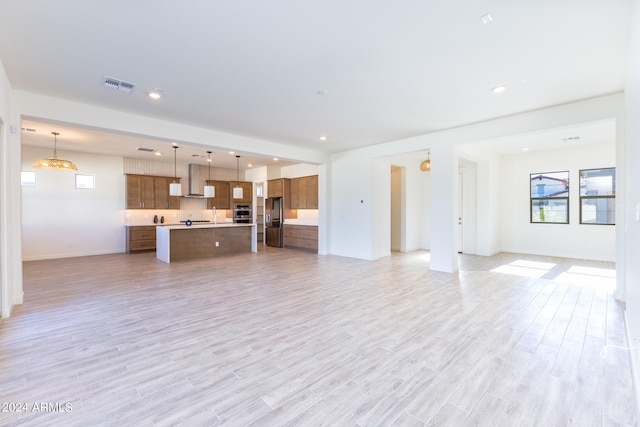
[{"x": 460, "y": 211}]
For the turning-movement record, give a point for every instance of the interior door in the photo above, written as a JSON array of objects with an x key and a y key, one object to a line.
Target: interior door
[{"x": 460, "y": 212}]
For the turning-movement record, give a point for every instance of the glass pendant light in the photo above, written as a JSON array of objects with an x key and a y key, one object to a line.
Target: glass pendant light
[
  {"x": 237, "y": 190},
  {"x": 53, "y": 162},
  {"x": 209, "y": 190},
  {"x": 175, "y": 189}
]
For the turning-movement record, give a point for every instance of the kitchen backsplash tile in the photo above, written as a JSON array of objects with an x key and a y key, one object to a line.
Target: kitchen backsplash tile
[{"x": 172, "y": 216}]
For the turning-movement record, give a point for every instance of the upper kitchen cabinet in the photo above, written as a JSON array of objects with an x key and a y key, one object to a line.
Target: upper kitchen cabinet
[
  {"x": 150, "y": 192},
  {"x": 140, "y": 192},
  {"x": 312, "y": 192},
  {"x": 163, "y": 199},
  {"x": 278, "y": 187},
  {"x": 247, "y": 192},
  {"x": 304, "y": 192},
  {"x": 222, "y": 199}
]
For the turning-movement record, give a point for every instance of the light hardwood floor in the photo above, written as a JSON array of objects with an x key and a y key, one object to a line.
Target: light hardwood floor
[{"x": 283, "y": 337}]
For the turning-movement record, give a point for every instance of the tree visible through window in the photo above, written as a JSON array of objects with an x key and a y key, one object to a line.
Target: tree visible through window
[
  {"x": 598, "y": 196},
  {"x": 550, "y": 197}
]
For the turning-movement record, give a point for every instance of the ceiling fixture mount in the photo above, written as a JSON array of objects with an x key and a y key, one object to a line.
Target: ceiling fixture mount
[
  {"x": 237, "y": 190},
  {"x": 175, "y": 189},
  {"x": 425, "y": 166},
  {"x": 209, "y": 190},
  {"x": 53, "y": 162},
  {"x": 486, "y": 18}
]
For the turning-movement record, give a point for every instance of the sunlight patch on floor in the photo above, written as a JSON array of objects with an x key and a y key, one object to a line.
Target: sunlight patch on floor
[
  {"x": 533, "y": 269},
  {"x": 589, "y": 276}
]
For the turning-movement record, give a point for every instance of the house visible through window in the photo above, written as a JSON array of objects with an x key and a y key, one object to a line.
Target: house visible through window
[
  {"x": 598, "y": 196},
  {"x": 550, "y": 197}
]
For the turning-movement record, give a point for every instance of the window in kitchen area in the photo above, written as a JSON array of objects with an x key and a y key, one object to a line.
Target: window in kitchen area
[
  {"x": 28, "y": 178},
  {"x": 85, "y": 181},
  {"x": 598, "y": 196}
]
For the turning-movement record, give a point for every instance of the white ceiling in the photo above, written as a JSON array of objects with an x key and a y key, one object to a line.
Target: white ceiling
[{"x": 385, "y": 70}]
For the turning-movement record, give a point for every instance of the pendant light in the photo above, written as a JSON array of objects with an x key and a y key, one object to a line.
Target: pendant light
[
  {"x": 209, "y": 190},
  {"x": 175, "y": 189},
  {"x": 425, "y": 166},
  {"x": 53, "y": 162},
  {"x": 237, "y": 190}
]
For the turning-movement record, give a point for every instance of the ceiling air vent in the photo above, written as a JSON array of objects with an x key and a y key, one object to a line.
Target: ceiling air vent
[
  {"x": 147, "y": 150},
  {"x": 120, "y": 85}
]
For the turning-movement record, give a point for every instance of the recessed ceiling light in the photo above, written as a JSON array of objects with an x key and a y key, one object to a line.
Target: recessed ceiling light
[
  {"x": 525, "y": 81},
  {"x": 250, "y": 165},
  {"x": 525, "y": 149},
  {"x": 498, "y": 89},
  {"x": 232, "y": 152},
  {"x": 157, "y": 153},
  {"x": 486, "y": 18},
  {"x": 156, "y": 93},
  {"x": 275, "y": 159},
  {"x": 323, "y": 138},
  {"x": 322, "y": 92}
]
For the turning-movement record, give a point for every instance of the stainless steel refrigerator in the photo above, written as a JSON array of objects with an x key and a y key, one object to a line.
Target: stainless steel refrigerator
[{"x": 273, "y": 216}]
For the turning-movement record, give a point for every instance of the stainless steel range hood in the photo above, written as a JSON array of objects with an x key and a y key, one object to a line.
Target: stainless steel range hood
[{"x": 196, "y": 184}]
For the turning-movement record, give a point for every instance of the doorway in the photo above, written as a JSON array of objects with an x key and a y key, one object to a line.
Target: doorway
[{"x": 396, "y": 209}]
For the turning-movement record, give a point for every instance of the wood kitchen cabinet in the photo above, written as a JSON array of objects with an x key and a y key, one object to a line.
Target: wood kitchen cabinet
[
  {"x": 247, "y": 192},
  {"x": 278, "y": 187},
  {"x": 304, "y": 192},
  {"x": 312, "y": 192},
  {"x": 150, "y": 192},
  {"x": 140, "y": 192},
  {"x": 163, "y": 199},
  {"x": 222, "y": 199},
  {"x": 141, "y": 238},
  {"x": 301, "y": 237}
]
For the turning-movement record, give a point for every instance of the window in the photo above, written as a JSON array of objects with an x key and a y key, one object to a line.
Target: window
[
  {"x": 598, "y": 196},
  {"x": 550, "y": 197},
  {"x": 28, "y": 178},
  {"x": 85, "y": 181}
]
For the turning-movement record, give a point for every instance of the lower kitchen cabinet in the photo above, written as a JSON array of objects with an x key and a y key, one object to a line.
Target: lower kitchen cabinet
[
  {"x": 301, "y": 237},
  {"x": 141, "y": 238}
]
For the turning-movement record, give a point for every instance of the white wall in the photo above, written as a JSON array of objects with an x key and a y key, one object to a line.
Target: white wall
[
  {"x": 59, "y": 220},
  {"x": 632, "y": 206},
  {"x": 572, "y": 240},
  {"x": 298, "y": 170},
  {"x": 10, "y": 233}
]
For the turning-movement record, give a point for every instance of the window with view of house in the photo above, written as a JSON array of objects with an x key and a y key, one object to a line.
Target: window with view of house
[
  {"x": 550, "y": 197},
  {"x": 598, "y": 196}
]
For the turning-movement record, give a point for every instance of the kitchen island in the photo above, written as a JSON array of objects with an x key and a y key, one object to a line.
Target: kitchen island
[{"x": 182, "y": 242}]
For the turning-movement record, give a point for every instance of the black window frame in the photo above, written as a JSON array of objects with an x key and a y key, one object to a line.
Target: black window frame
[
  {"x": 611, "y": 196},
  {"x": 548, "y": 198}
]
